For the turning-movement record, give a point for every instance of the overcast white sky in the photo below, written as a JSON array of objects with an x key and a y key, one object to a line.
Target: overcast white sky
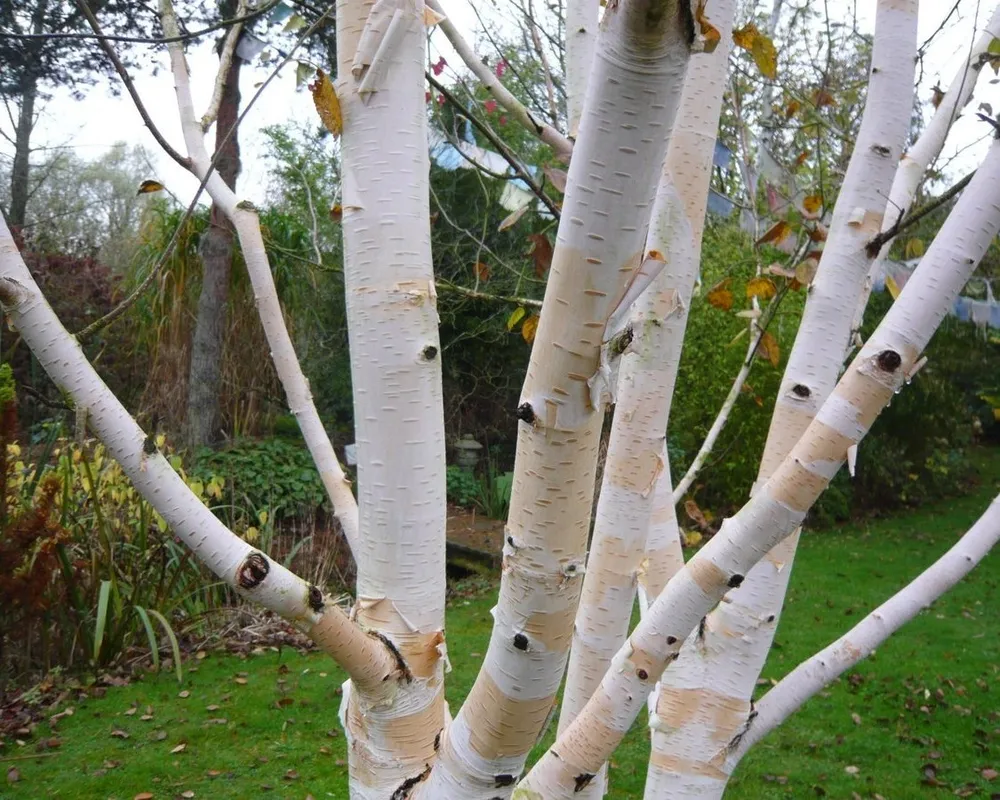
[{"x": 91, "y": 126}]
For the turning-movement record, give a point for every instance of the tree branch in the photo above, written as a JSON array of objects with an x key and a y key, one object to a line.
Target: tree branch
[
  {"x": 875, "y": 245},
  {"x": 544, "y": 131},
  {"x": 129, "y": 86},
  {"x": 183, "y": 37},
  {"x": 502, "y": 148}
]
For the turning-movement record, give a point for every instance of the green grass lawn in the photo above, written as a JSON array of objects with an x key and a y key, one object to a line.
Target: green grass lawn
[{"x": 266, "y": 726}]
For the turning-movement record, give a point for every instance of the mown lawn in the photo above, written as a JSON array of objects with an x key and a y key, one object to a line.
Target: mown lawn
[{"x": 924, "y": 710}]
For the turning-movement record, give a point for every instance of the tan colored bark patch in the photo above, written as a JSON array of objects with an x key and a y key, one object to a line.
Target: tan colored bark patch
[
  {"x": 552, "y": 629},
  {"x": 667, "y": 762},
  {"x": 504, "y": 726},
  {"x": 719, "y": 713},
  {"x": 796, "y": 487},
  {"x": 708, "y": 576}
]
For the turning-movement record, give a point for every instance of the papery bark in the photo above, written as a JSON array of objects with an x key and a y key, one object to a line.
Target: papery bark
[
  {"x": 635, "y": 85},
  {"x": 706, "y": 695},
  {"x": 636, "y": 461},
  {"x": 885, "y": 364}
]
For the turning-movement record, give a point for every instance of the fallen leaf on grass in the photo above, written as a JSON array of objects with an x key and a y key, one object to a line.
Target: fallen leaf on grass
[
  {"x": 119, "y": 734},
  {"x": 180, "y": 748}
]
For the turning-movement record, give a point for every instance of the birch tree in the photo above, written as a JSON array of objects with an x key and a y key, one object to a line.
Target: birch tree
[{"x": 612, "y": 324}]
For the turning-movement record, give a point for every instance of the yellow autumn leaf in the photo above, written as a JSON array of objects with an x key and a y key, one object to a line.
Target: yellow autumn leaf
[
  {"x": 765, "y": 56},
  {"x": 691, "y": 539},
  {"x": 719, "y": 296},
  {"x": 148, "y": 187},
  {"x": 327, "y": 104},
  {"x": 762, "y": 287},
  {"x": 892, "y": 286},
  {"x": 529, "y": 327},
  {"x": 792, "y": 109},
  {"x": 744, "y": 37},
  {"x": 812, "y": 203},
  {"x": 708, "y": 30},
  {"x": 768, "y": 348},
  {"x": 516, "y": 316},
  {"x": 914, "y": 248}
]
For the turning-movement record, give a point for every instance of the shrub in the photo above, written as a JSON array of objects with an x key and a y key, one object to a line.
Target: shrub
[
  {"x": 275, "y": 475},
  {"x": 462, "y": 486},
  {"x": 916, "y": 451},
  {"x": 93, "y": 570}
]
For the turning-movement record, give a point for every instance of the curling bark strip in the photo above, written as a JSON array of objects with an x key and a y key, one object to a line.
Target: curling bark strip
[
  {"x": 634, "y": 92},
  {"x": 819, "y": 671},
  {"x": 884, "y": 365},
  {"x": 705, "y": 696},
  {"x": 240, "y": 565},
  {"x": 396, "y": 376},
  {"x": 244, "y": 219},
  {"x": 636, "y": 461}
]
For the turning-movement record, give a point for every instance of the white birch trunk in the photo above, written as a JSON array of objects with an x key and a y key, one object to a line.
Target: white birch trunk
[
  {"x": 581, "y": 38},
  {"x": 247, "y": 570},
  {"x": 635, "y": 88},
  {"x": 887, "y": 361},
  {"x": 819, "y": 671},
  {"x": 244, "y": 219},
  {"x": 710, "y": 687},
  {"x": 636, "y": 456},
  {"x": 396, "y": 375},
  {"x": 926, "y": 150}
]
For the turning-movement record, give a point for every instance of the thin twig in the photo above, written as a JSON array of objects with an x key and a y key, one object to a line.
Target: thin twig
[
  {"x": 873, "y": 247},
  {"x": 129, "y": 86},
  {"x": 184, "y": 37},
  {"x": 502, "y": 148}
]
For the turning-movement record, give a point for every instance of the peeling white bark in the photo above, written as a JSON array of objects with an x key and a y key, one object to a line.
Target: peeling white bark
[
  {"x": 635, "y": 88},
  {"x": 819, "y": 671},
  {"x": 881, "y": 369},
  {"x": 710, "y": 687},
  {"x": 396, "y": 376},
  {"x": 636, "y": 461},
  {"x": 244, "y": 219}
]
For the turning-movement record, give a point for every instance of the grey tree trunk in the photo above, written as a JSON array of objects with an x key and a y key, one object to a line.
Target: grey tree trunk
[
  {"x": 21, "y": 169},
  {"x": 204, "y": 419}
]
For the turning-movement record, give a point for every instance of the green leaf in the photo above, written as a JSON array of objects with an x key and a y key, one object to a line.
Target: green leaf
[
  {"x": 994, "y": 48},
  {"x": 516, "y": 316},
  {"x": 154, "y": 646},
  {"x": 102, "y": 618},
  {"x": 173, "y": 643}
]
